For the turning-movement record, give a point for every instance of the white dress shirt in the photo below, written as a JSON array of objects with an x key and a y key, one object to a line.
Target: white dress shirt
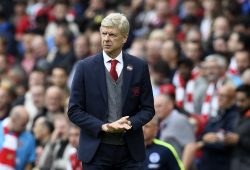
[{"x": 119, "y": 65}]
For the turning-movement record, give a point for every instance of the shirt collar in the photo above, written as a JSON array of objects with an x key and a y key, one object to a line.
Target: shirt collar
[{"x": 107, "y": 58}]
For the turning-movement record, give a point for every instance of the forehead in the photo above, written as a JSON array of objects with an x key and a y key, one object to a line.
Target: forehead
[
  {"x": 241, "y": 54},
  {"x": 224, "y": 90},
  {"x": 211, "y": 63},
  {"x": 40, "y": 121},
  {"x": 109, "y": 29},
  {"x": 241, "y": 95}
]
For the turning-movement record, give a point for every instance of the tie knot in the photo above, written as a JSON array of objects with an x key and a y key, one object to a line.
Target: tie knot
[{"x": 113, "y": 62}]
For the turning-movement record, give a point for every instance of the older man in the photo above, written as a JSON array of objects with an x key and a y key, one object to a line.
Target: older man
[
  {"x": 205, "y": 97},
  {"x": 111, "y": 99},
  {"x": 216, "y": 155},
  {"x": 174, "y": 126},
  {"x": 17, "y": 146}
]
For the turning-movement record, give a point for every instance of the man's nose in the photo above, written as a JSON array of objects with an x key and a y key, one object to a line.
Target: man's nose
[{"x": 107, "y": 37}]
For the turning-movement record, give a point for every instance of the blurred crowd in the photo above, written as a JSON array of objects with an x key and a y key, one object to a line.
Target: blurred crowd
[{"x": 198, "y": 53}]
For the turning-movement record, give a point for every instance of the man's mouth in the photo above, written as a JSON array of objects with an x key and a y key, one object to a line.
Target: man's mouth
[{"x": 107, "y": 46}]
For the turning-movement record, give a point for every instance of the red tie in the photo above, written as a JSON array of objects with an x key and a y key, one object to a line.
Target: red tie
[{"x": 112, "y": 71}]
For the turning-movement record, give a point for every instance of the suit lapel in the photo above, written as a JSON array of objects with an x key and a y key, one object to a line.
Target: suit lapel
[
  {"x": 101, "y": 79},
  {"x": 127, "y": 75}
]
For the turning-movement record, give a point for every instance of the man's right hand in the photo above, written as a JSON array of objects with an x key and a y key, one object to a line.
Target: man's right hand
[{"x": 121, "y": 125}]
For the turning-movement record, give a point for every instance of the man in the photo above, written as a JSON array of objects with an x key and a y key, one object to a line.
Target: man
[
  {"x": 57, "y": 150},
  {"x": 81, "y": 51},
  {"x": 111, "y": 103},
  {"x": 54, "y": 98},
  {"x": 174, "y": 126},
  {"x": 215, "y": 76},
  {"x": 160, "y": 155},
  {"x": 170, "y": 53},
  {"x": 17, "y": 146},
  {"x": 59, "y": 77},
  {"x": 184, "y": 81},
  {"x": 5, "y": 102},
  {"x": 42, "y": 131},
  {"x": 36, "y": 78},
  {"x": 64, "y": 55},
  {"x": 240, "y": 137},
  {"x": 216, "y": 155},
  {"x": 74, "y": 134},
  {"x": 242, "y": 59}
]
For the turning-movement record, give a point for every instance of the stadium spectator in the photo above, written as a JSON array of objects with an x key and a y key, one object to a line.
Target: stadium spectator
[
  {"x": 239, "y": 138},
  {"x": 216, "y": 154},
  {"x": 42, "y": 130},
  {"x": 64, "y": 54},
  {"x": 74, "y": 134},
  {"x": 215, "y": 76},
  {"x": 33, "y": 106},
  {"x": 175, "y": 128},
  {"x": 5, "y": 102},
  {"x": 59, "y": 77},
  {"x": 57, "y": 152},
  {"x": 54, "y": 103},
  {"x": 170, "y": 53},
  {"x": 95, "y": 43},
  {"x": 159, "y": 155},
  {"x": 17, "y": 146}
]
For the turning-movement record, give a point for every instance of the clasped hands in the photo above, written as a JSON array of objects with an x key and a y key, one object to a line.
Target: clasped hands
[{"x": 119, "y": 126}]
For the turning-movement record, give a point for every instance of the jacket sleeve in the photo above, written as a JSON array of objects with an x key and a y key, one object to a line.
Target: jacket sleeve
[
  {"x": 77, "y": 111},
  {"x": 147, "y": 111}
]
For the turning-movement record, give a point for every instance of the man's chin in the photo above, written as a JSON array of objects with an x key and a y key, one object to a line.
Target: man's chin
[{"x": 107, "y": 50}]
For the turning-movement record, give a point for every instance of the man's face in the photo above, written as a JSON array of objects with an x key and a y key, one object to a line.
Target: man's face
[
  {"x": 59, "y": 77},
  {"x": 36, "y": 78},
  {"x": 112, "y": 40},
  {"x": 81, "y": 47},
  {"x": 19, "y": 123},
  {"x": 212, "y": 71},
  {"x": 193, "y": 51},
  {"x": 162, "y": 107},
  {"x": 242, "y": 61},
  {"x": 53, "y": 101},
  {"x": 4, "y": 98},
  {"x": 242, "y": 101},
  {"x": 62, "y": 128},
  {"x": 38, "y": 128},
  {"x": 233, "y": 43},
  {"x": 168, "y": 52},
  {"x": 225, "y": 98},
  {"x": 74, "y": 134},
  {"x": 38, "y": 94}
]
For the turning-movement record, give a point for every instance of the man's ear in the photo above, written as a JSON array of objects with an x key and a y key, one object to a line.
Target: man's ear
[{"x": 125, "y": 39}]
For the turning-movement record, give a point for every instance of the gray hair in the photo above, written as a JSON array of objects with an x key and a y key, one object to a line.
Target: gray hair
[
  {"x": 219, "y": 59},
  {"x": 117, "y": 20}
]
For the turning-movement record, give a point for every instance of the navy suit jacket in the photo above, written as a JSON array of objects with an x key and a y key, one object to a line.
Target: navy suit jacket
[{"x": 88, "y": 103}]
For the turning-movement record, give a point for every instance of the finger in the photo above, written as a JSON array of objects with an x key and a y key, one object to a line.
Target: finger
[
  {"x": 116, "y": 125},
  {"x": 126, "y": 126},
  {"x": 122, "y": 121},
  {"x": 129, "y": 123},
  {"x": 125, "y": 118}
]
